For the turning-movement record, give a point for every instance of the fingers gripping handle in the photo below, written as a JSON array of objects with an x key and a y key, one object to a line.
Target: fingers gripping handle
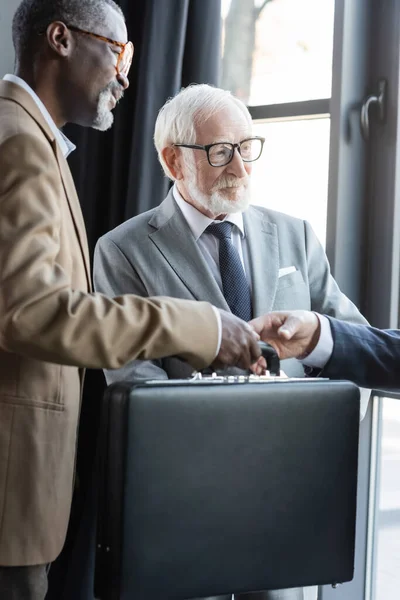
[
  {"x": 271, "y": 358},
  {"x": 267, "y": 351}
]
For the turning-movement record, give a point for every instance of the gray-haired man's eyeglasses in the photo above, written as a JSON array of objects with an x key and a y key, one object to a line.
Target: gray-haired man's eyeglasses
[{"x": 221, "y": 153}]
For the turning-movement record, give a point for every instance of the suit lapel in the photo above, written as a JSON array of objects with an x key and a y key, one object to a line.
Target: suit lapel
[
  {"x": 174, "y": 240},
  {"x": 263, "y": 249},
  {"x": 75, "y": 209},
  {"x": 17, "y": 94}
]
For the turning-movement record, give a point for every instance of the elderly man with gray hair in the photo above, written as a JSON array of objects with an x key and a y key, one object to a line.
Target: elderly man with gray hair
[{"x": 206, "y": 242}]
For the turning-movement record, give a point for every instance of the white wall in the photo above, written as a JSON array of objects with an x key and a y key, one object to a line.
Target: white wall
[{"x": 7, "y": 10}]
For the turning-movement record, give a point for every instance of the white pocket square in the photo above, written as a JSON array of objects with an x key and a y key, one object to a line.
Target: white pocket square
[{"x": 286, "y": 271}]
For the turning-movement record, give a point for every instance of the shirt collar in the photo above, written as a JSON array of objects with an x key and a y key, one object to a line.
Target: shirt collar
[
  {"x": 198, "y": 222},
  {"x": 65, "y": 144}
]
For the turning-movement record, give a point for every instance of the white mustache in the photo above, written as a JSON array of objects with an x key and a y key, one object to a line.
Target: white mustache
[{"x": 230, "y": 183}]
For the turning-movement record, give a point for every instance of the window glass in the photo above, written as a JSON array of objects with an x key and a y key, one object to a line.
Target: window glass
[
  {"x": 386, "y": 575},
  {"x": 277, "y": 51},
  {"x": 291, "y": 175}
]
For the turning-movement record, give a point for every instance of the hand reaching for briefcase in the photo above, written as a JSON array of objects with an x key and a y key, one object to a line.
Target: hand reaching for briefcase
[{"x": 239, "y": 347}]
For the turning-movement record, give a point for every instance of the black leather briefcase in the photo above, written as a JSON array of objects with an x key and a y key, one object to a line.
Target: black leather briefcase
[{"x": 219, "y": 485}]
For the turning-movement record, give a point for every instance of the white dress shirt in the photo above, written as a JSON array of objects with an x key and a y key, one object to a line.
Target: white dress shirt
[
  {"x": 324, "y": 348},
  {"x": 65, "y": 144}
]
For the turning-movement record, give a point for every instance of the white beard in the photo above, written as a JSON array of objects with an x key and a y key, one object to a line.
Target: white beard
[
  {"x": 217, "y": 203},
  {"x": 104, "y": 118}
]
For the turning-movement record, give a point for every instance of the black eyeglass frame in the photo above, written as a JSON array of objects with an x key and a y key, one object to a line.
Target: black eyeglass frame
[{"x": 233, "y": 146}]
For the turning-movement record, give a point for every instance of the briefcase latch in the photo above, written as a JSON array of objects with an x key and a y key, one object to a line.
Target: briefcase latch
[
  {"x": 273, "y": 369},
  {"x": 207, "y": 376},
  {"x": 220, "y": 378}
]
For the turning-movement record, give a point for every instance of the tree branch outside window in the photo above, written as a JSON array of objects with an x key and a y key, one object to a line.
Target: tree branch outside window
[{"x": 239, "y": 46}]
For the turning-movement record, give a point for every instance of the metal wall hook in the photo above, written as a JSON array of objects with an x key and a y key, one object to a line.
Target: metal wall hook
[{"x": 380, "y": 100}]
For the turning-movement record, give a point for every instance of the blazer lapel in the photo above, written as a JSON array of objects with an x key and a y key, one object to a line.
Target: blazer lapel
[
  {"x": 263, "y": 249},
  {"x": 14, "y": 92},
  {"x": 75, "y": 209},
  {"x": 174, "y": 240}
]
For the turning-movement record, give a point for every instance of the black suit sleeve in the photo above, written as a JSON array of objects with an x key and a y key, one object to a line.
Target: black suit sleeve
[{"x": 368, "y": 356}]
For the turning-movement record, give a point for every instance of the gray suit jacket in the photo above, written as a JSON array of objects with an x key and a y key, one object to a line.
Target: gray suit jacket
[{"x": 156, "y": 254}]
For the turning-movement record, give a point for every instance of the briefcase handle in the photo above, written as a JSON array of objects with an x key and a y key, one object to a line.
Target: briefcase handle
[
  {"x": 271, "y": 358},
  {"x": 267, "y": 351}
]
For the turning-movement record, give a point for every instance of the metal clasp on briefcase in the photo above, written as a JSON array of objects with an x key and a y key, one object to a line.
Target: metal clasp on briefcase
[{"x": 273, "y": 370}]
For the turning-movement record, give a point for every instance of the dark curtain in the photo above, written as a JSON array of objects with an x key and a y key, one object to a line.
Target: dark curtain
[{"x": 117, "y": 175}]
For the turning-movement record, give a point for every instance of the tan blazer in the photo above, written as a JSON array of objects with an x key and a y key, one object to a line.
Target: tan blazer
[{"x": 50, "y": 325}]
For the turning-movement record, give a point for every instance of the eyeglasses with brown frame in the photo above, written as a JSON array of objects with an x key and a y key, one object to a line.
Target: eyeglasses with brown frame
[{"x": 125, "y": 56}]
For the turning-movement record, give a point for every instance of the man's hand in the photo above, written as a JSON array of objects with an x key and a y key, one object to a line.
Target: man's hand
[
  {"x": 239, "y": 346},
  {"x": 293, "y": 334}
]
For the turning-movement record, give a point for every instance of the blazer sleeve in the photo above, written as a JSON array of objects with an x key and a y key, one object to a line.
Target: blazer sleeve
[
  {"x": 114, "y": 274},
  {"x": 368, "y": 356},
  {"x": 43, "y": 317}
]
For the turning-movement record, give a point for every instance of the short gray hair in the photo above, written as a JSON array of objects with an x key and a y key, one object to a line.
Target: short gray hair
[
  {"x": 177, "y": 120},
  {"x": 32, "y": 18}
]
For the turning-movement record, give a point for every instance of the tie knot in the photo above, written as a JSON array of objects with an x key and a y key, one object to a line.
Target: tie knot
[{"x": 221, "y": 230}]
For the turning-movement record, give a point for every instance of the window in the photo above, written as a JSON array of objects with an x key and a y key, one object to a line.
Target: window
[
  {"x": 301, "y": 148},
  {"x": 281, "y": 53},
  {"x": 277, "y": 57},
  {"x": 385, "y": 534},
  {"x": 388, "y": 510}
]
